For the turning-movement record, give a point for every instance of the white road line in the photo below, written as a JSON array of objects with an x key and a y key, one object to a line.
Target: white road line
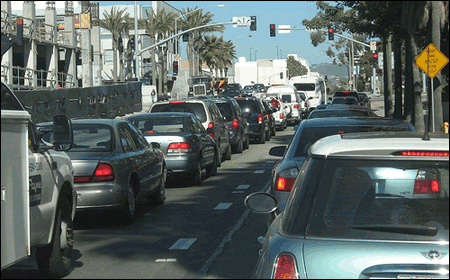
[
  {"x": 259, "y": 171},
  {"x": 223, "y": 206},
  {"x": 166, "y": 260},
  {"x": 242, "y": 187},
  {"x": 238, "y": 192},
  {"x": 202, "y": 271},
  {"x": 183, "y": 244}
]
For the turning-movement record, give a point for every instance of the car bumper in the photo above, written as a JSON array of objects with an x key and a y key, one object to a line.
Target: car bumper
[
  {"x": 180, "y": 163},
  {"x": 96, "y": 196},
  {"x": 235, "y": 137},
  {"x": 255, "y": 130}
]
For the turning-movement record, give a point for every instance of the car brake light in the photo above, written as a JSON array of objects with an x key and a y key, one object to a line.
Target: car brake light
[
  {"x": 426, "y": 186},
  {"x": 176, "y": 102},
  {"x": 260, "y": 119},
  {"x": 281, "y": 116},
  {"x": 359, "y": 103},
  {"x": 296, "y": 106},
  {"x": 103, "y": 172},
  {"x": 211, "y": 125},
  {"x": 239, "y": 99},
  {"x": 285, "y": 179},
  {"x": 346, "y": 92},
  {"x": 179, "y": 148},
  {"x": 286, "y": 267},
  {"x": 306, "y": 102},
  {"x": 422, "y": 153},
  {"x": 235, "y": 124},
  {"x": 211, "y": 135}
]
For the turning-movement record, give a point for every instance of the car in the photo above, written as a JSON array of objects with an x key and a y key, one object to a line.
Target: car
[
  {"x": 187, "y": 146},
  {"x": 280, "y": 111},
  {"x": 233, "y": 89},
  {"x": 338, "y": 112},
  {"x": 258, "y": 122},
  {"x": 270, "y": 110},
  {"x": 346, "y": 93},
  {"x": 368, "y": 205},
  {"x": 304, "y": 104},
  {"x": 290, "y": 97},
  {"x": 365, "y": 99},
  {"x": 114, "y": 166},
  {"x": 248, "y": 90},
  {"x": 236, "y": 121},
  {"x": 350, "y": 100},
  {"x": 260, "y": 87},
  {"x": 208, "y": 113},
  {"x": 308, "y": 132}
]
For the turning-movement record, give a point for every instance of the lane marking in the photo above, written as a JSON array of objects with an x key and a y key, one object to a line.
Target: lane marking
[
  {"x": 238, "y": 192},
  {"x": 242, "y": 187},
  {"x": 223, "y": 206},
  {"x": 166, "y": 260},
  {"x": 183, "y": 244},
  {"x": 259, "y": 171}
]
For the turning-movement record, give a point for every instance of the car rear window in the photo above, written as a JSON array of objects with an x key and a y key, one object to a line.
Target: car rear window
[
  {"x": 226, "y": 110},
  {"x": 381, "y": 199},
  {"x": 305, "y": 87},
  {"x": 249, "y": 106},
  {"x": 345, "y": 94},
  {"x": 350, "y": 101},
  {"x": 286, "y": 98},
  {"x": 160, "y": 125},
  {"x": 339, "y": 114},
  {"x": 309, "y": 135},
  {"x": 195, "y": 108}
]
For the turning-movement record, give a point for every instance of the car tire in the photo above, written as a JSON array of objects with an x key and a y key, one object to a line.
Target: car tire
[
  {"x": 240, "y": 146},
  {"x": 246, "y": 143},
  {"x": 159, "y": 196},
  {"x": 197, "y": 176},
  {"x": 262, "y": 138},
  {"x": 212, "y": 169},
  {"x": 268, "y": 134},
  {"x": 274, "y": 132},
  {"x": 52, "y": 260},
  {"x": 219, "y": 157},
  {"x": 228, "y": 153},
  {"x": 129, "y": 209},
  {"x": 282, "y": 127}
]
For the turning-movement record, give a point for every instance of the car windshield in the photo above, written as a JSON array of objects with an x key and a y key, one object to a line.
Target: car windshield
[
  {"x": 286, "y": 98},
  {"x": 382, "y": 199},
  {"x": 339, "y": 113},
  {"x": 90, "y": 137},
  {"x": 195, "y": 108},
  {"x": 305, "y": 87},
  {"x": 309, "y": 135},
  {"x": 160, "y": 125}
]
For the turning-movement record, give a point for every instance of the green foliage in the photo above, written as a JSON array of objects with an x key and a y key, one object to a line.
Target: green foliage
[{"x": 295, "y": 68}]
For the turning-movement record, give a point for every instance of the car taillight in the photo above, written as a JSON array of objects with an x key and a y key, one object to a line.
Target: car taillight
[
  {"x": 260, "y": 118},
  {"x": 306, "y": 102},
  {"x": 286, "y": 267},
  {"x": 422, "y": 153},
  {"x": 359, "y": 103},
  {"x": 176, "y": 102},
  {"x": 285, "y": 179},
  {"x": 296, "y": 106},
  {"x": 281, "y": 116},
  {"x": 103, "y": 172},
  {"x": 235, "y": 124},
  {"x": 426, "y": 182},
  {"x": 179, "y": 148},
  {"x": 211, "y": 135},
  {"x": 211, "y": 125}
]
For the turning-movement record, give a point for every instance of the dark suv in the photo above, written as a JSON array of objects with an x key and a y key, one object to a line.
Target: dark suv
[
  {"x": 208, "y": 113},
  {"x": 258, "y": 122},
  {"x": 236, "y": 121}
]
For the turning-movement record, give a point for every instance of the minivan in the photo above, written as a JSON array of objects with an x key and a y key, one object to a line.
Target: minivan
[{"x": 289, "y": 96}]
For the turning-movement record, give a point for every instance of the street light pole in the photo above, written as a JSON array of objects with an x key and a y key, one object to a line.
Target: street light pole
[{"x": 250, "y": 54}]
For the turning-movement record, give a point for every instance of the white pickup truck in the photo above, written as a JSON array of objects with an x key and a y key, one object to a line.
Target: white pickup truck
[{"x": 37, "y": 195}]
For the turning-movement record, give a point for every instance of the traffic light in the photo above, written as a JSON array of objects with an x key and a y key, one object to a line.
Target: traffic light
[
  {"x": 175, "y": 67},
  {"x": 185, "y": 35},
  {"x": 253, "y": 23},
  {"x": 272, "y": 30},
  {"x": 375, "y": 60},
  {"x": 281, "y": 75},
  {"x": 331, "y": 34}
]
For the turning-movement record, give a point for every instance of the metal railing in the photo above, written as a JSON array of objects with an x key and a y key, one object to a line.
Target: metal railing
[{"x": 23, "y": 78}]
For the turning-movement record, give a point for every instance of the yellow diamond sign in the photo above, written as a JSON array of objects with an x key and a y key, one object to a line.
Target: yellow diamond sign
[{"x": 431, "y": 61}]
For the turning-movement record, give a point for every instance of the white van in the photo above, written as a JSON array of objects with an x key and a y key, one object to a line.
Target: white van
[
  {"x": 314, "y": 87},
  {"x": 289, "y": 96}
]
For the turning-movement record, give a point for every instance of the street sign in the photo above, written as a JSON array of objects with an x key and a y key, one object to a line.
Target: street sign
[
  {"x": 376, "y": 39},
  {"x": 241, "y": 21},
  {"x": 284, "y": 29},
  {"x": 373, "y": 45},
  {"x": 431, "y": 61}
]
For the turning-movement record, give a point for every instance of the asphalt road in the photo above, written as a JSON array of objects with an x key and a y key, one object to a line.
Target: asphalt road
[{"x": 202, "y": 232}]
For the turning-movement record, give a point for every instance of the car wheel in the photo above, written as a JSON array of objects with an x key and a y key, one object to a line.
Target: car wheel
[
  {"x": 274, "y": 131},
  {"x": 159, "y": 196},
  {"x": 212, "y": 169},
  {"x": 219, "y": 157},
  {"x": 262, "y": 138},
  {"x": 282, "y": 127},
  {"x": 129, "y": 208},
  {"x": 268, "y": 136},
  {"x": 240, "y": 146},
  {"x": 228, "y": 153},
  {"x": 54, "y": 260},
  {"x": 197, "y": 176}
]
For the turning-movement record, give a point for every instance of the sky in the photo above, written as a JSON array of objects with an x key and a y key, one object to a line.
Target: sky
[{"x": 260, "y": 43}]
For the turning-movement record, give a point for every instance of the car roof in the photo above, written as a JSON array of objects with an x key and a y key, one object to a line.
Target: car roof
[
  {"x": 379, "y": 144},
  {"x": 160, "y": 114},
  {"x": 354, "y": 121}
]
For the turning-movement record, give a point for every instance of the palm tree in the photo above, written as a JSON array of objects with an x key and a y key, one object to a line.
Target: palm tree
[
  {"x": 195, "y": 19},
  {"x": 113, "y": 22}
]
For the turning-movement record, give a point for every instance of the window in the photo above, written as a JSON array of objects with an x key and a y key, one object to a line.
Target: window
[
  {"x": 140, "y": 140},
  {"x": 126, "y": 139}
]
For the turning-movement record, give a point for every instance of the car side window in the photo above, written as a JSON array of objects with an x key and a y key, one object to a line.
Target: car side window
[
  {"x": 140, "y": 139},
  {"x": 126, "y": 139},
  {"x": 191, "y": 124},
  {"x": 198, "y": 125}
]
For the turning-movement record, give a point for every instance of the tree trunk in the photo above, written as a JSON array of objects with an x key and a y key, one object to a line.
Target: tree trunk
[
  {"x": 190, "y": 59},
  {"x": 418, "y": 120},
  {"x": 115, "y": 59},
  {"x": 398, "y": 76},
  {"x": 387, "y": 72},
  {"x": 153, "y": 57},
  {"x": 160, "y": 71},
  {"x": 409, "y": 83},
  {"x": 437, "y": 80}
]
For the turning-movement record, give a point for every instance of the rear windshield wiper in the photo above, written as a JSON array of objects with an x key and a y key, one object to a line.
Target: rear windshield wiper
[{"x": 406, "y": 229}]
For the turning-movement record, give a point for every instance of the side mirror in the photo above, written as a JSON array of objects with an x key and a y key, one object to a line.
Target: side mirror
[
  {"x": 62, "y": 133},
  {"x": 277, "y": 151},
  {"x": 261, "y": 203},
  {"x": 155, "y": 145}
]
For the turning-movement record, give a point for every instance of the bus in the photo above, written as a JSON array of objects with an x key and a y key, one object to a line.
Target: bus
[{"x": 313, "y": 85}]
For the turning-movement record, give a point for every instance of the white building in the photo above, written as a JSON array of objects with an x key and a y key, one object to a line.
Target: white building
[{"x": 264, "y": 71}]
